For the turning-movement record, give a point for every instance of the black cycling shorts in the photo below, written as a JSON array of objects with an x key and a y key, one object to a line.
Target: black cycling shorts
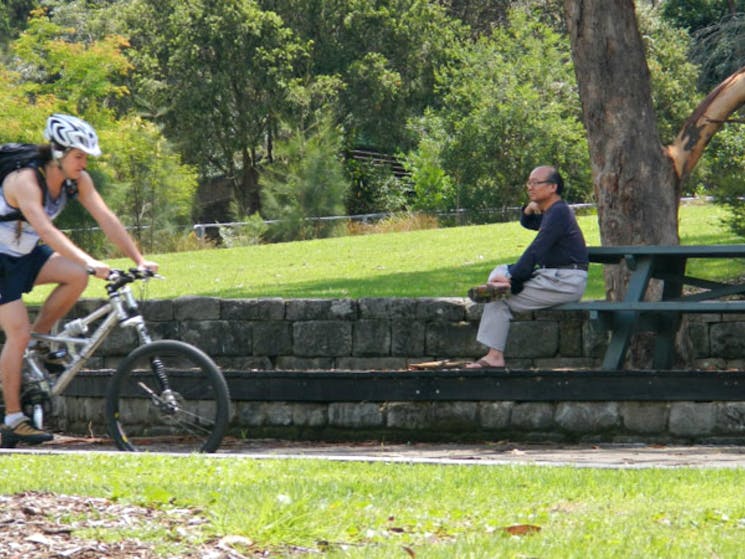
[{"x": 18, "y": 273}]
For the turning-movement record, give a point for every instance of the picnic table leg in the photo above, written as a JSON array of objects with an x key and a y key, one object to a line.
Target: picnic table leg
[
  {"x": 664, "y": 341},
  {"x": 624, "y": 321},
  {"x": 623, "y": 327},
  {"x": 639, "y": 279}
]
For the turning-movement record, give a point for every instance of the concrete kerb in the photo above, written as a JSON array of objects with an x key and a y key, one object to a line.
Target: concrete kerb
[{"x": 611, "y": 456}]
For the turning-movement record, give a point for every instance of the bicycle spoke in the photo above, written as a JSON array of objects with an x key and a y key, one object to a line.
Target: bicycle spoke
[
  {"x": 200, "y": 423},
  {"x": 168, "y": 393}
]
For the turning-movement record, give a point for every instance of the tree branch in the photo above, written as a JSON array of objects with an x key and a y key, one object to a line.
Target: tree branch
[{"x": 705, "y": 121}]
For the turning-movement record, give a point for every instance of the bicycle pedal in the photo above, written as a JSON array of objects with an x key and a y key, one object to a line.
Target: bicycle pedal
[{"x": 57, "y": 357}]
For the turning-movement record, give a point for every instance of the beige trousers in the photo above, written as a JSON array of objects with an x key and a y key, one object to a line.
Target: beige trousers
[{"x": 548, "y": 287}]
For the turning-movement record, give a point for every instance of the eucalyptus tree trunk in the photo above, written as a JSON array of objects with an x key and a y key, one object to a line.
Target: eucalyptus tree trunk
[
  {"x": 635, "y": 184},
  {"x": 637, "y": 180}
]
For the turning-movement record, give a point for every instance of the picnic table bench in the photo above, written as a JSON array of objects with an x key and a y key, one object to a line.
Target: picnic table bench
[{"x": 634, "y": 314}]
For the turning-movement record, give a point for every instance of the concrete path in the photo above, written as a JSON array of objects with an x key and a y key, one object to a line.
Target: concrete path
[
  {"x": 487, "y": 454},
  {"x": 595, "y": 456}
]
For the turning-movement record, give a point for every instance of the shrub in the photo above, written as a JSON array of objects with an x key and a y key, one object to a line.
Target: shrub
[
  {"x": 305, "y": 183},
  {"x": 394, "y": 224},
  {"x": 250, "y": 231}
]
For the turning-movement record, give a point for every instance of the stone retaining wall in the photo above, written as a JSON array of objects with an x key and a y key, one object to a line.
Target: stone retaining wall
[
  {"x": 619, "y": 422},
  {"x": 390, "y": 334},
  {"x": 533, "y": 421}
]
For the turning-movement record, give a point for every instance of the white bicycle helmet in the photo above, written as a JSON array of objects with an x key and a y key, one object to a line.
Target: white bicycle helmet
[{"x": 70, "y": 132}]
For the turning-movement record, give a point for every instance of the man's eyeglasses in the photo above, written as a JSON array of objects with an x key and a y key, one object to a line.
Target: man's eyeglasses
[{"x": 531, "y": 184}]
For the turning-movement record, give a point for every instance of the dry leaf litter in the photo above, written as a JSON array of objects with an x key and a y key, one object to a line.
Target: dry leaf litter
[{"x": 35, "y": 525}]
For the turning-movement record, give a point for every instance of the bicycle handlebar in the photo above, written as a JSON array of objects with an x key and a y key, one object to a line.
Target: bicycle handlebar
[{"x": 119, "y": 278}]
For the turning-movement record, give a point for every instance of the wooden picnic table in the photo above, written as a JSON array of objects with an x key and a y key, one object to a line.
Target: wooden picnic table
[{"x": 633, "y": 314}]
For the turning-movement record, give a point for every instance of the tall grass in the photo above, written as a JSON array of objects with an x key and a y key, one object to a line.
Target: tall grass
[{"x": 421, "y": 263}]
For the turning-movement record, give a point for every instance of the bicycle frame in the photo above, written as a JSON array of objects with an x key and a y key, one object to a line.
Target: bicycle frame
[
  {"x": 171, "y": 378},
  {"x": 120, "y": 310}
]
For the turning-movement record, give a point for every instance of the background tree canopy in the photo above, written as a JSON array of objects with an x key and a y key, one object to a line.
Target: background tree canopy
[{"x": 287, "y": 102}]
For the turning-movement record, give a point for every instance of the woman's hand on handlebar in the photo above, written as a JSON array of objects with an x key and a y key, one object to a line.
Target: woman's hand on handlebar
[
  {"x": 149, "y": 266},
  {"x": 99, "y": 269}
]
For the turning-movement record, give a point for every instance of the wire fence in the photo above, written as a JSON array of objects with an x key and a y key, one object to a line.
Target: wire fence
[
  {"x": 445, "y": 219},
  {"x": 91, "y": 238}
]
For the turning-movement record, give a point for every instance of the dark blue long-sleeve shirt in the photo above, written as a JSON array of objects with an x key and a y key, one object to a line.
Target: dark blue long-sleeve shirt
[{"x": 559, "y": 243}]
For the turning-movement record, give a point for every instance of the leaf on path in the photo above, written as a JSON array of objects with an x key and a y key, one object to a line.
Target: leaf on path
[{"x": 434, "y": 365}]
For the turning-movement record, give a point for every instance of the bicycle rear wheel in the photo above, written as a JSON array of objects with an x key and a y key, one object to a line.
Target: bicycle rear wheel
[{"x": 167, "y": 396}]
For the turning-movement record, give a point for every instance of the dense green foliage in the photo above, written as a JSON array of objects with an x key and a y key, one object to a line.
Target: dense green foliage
[
  {"x": 509, "y": 103},
  {"x": 222, "y": 73},
  {"x": 720, "y": 49},
  {"x": 469, "y": 94},
  {"x": 139, "y": 174},
  {"x": 717, "y": 47},
  {"x": 306, "y": 180},
  {"x": 673, "y": 76},
  {"x": 385, "y": 55},
  {"x": 728, "y": 172},
  {"x": 718, "y": 30}
]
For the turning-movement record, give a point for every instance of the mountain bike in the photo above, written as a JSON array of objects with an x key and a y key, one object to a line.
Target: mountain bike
[{"x": 163, "y": 394}]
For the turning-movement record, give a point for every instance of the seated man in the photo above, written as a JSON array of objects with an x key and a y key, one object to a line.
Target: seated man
[{"x": 551, "y": 271}]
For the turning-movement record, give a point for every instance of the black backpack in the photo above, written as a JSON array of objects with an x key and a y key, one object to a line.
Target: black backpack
[{"x": 17, "y": 156}]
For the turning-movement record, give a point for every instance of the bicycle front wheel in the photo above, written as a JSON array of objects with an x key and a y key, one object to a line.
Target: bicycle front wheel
[{"x": 167, "y": 396}]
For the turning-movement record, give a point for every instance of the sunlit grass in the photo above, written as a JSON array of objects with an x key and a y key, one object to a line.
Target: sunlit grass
[
  {"x": 379, "y": 510},
  {"x": 424, "y": 263}
]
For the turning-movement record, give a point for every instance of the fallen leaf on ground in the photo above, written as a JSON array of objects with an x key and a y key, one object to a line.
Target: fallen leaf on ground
[{"x": 522, "y": 529}]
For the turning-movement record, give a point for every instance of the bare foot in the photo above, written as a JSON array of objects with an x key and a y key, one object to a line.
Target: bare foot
[{"x": 484, "y": 364}]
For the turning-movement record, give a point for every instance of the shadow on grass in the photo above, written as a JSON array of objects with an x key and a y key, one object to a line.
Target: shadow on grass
[{"x": 430, "y": 283}]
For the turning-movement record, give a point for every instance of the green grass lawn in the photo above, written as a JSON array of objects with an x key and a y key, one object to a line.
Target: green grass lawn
[
  {"x": 379, "y": 510},
  {"x": 428, "y": 263}
]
